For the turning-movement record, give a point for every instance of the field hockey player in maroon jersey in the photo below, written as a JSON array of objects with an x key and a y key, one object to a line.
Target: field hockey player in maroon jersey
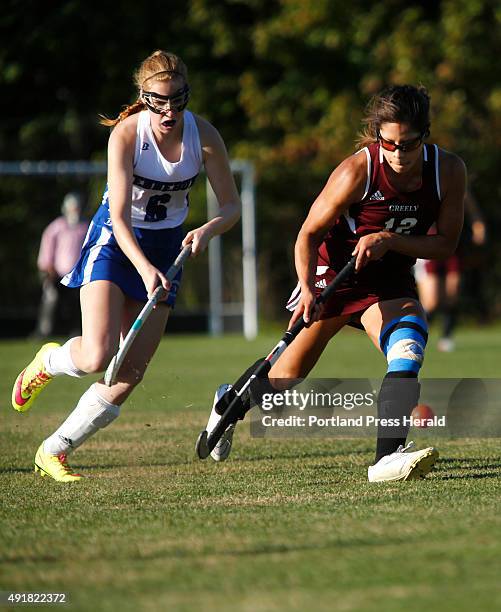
[{"x": 378, "y": 204}]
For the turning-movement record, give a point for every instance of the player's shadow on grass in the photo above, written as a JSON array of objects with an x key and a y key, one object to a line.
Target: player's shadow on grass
[
  {"x": 470, "y": 463},
  {"x": 135, "y": 462},
  {"x": 468, "y": 470},
  {"x": 16, "y": 470},
  {"x": 472, "y": 476},
  {"x": 264, "y": 549},
  {"x": 310, "y": 454},
  {"x": 280, "y": 549},
  {"x": 29, "y": 470}
]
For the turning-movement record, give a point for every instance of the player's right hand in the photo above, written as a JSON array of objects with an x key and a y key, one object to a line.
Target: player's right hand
[
  {"x": 153, "y": 278},
  {"x": 307, "y": 309}
]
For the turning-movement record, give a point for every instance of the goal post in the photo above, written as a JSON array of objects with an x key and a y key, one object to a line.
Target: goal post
[{"x": 218, "y": 309}]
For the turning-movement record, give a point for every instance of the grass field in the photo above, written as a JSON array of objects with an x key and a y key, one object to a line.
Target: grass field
[{"x": 282, "y": 525}]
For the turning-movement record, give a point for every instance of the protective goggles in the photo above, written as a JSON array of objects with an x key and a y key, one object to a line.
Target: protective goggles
[
  {"x": 410, "y": 145},
  {"x": 161, "y": 104}
]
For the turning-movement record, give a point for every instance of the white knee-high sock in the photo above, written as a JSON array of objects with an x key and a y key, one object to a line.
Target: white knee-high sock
[
  {"x": 92, "y": 413},
  {"x": 59, "y": 361}
]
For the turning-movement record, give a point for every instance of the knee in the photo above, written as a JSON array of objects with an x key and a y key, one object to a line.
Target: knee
[
  {"x": 284, "y": 368},
  {"x": 285, "y": 378},
  {"x": 403, "y": 341}
]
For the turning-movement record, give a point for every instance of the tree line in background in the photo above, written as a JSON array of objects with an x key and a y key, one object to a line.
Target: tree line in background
[{"x": 285, "y": 82}]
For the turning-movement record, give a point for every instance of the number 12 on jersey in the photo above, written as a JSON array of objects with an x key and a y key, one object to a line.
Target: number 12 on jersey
[{"x": 403, "y": 227}]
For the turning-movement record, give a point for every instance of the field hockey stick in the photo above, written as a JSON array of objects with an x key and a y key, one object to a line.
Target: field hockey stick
[
  {"x": 206, "y": 443},
  {"x": 159, "y": 293}
]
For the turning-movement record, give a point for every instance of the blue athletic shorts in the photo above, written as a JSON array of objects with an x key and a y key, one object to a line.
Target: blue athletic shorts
[{"x": 102, "y": 259}]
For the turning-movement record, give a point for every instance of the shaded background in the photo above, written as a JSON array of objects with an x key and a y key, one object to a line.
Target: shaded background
[{"x": 284, "y": 82}]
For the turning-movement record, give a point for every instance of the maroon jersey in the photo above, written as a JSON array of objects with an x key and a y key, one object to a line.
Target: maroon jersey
[{"x": 382, "y": 207}]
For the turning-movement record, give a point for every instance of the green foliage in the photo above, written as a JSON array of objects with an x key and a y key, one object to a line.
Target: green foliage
[{"x": 284, "y": 81}]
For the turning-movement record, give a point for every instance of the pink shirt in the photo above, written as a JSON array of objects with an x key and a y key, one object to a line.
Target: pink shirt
[{"x": 60, "y": 245}]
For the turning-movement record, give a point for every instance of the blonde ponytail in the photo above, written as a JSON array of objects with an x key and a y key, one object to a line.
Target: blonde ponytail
[{"x": 128, "y": 110}]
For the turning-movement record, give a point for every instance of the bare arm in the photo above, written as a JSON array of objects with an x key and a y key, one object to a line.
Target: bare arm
[
  {"x": 478, "y": 228},
  {"x": 449, "y": 223},
  {"x": 345, "y": 186},
  {"x": 222, "y": 182},
  {"x": 120, "y": 174}
]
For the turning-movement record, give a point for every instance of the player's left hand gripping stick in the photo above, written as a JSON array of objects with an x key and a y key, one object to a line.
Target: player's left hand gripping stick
[
  {"x": 234, "y": 404},
  {"x": 159, "y": 293}
]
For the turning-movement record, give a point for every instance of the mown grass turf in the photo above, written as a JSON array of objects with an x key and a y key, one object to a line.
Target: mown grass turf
[{"x": 282, "y": 525}]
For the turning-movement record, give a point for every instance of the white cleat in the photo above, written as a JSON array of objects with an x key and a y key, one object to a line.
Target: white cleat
[
  {"x": 222, "y": 449},
  {"x": 402, "y": 465}
]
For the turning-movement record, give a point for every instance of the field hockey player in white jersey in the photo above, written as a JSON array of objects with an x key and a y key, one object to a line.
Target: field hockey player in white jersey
[{"x": 155, "y": 152}]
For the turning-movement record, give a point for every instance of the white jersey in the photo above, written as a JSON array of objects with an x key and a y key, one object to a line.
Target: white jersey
[{"x": 160, "y": 188}]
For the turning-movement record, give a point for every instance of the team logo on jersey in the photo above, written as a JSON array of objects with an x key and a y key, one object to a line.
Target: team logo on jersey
[
  {"x": 146, "y": 183},
  {"x": 145, "y": 146},
  {"x": 377, "y": 196}
]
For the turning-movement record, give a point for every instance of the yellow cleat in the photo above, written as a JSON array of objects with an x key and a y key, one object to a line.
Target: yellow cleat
[
  {"x": 32, "y": 380},
  {"x": 54, "y": 466}
]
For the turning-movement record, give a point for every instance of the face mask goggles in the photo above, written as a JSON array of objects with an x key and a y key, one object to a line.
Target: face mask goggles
[{"x": 161, "y": 104}]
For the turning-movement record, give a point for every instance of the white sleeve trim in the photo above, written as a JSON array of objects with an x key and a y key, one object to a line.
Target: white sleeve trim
[
  {"x": 369, "y": 170},
  {"x": 139, "y": 136},
  {"x": 437, "y": 172},
  {"x": 194, "y": 140}
]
